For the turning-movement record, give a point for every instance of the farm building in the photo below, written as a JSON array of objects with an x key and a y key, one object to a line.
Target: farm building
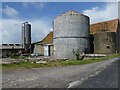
[
  {"x": 44, "y": 47},
  {"x": 104, "y": 33},
  {"x": 72, "y": 31},
  {"x": 104, "y": 39}
]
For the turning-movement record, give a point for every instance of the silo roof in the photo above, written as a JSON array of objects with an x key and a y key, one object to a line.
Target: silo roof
[
  {"x": 71, "y": 12},
  {"x": 108, "y": 26}
]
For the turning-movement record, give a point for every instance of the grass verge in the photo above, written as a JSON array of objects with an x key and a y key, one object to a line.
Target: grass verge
[{"x": 58, "y": 63}]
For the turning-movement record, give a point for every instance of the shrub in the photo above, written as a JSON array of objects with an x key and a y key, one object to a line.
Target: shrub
[{"x": 77, "y": 53}]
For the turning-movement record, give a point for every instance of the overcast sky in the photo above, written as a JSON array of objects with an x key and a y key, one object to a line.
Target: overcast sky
[{"x": 41, "y": 15}]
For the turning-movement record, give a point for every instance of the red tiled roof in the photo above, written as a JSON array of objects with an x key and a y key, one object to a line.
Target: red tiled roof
[
  {"x": 109, "y": 26},
  {"x": 48, "y": 39}
]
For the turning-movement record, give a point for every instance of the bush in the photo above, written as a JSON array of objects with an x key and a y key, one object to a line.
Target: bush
[{"x": 77, "y": 53}]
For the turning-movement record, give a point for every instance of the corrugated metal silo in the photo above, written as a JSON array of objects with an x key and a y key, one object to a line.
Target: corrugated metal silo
[
  {"x": 71, "y": 32},
  {"x": 23, "y": 36},
  {"x": 104, "y": 42},
  {"x": 118, "y": 31},
  {"x": 26, "y": 35}
]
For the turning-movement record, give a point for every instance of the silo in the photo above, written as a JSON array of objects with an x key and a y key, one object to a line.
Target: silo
[
  {"x": 71, "y": 32},
  {"x": 23, "y": 36},
  {"x": 104, "y": 42},
  {"x": 26, "y": 35},
  {"x": 118, "y": 31}
]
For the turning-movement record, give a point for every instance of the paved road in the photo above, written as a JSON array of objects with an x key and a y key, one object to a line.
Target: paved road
[
  {"x": 107, "y": 78},
  {"x": 52, "y": 77}
]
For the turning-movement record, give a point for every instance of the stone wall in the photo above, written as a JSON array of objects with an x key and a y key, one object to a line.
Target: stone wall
[{"x": 104, "y": 42}]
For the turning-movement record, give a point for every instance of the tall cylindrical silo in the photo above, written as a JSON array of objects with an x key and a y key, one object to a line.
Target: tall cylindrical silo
[
  {"x": 23, "y": 36},
  {"x": 118, "y": 31},
  {"x": 104, "y": 42},
  {"x": 71, "y": 32},
  {"x": 26, "y": 35}
]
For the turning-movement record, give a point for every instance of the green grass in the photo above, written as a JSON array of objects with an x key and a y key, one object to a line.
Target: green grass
[{"x": 58, "y": 63}]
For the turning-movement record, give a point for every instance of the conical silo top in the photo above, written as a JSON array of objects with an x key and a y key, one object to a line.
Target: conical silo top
[{"x": 72, "y": 12}]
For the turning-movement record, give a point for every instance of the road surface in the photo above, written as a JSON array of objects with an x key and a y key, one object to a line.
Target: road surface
[
  {"x": 56, "y": 77},
  {"x": 107, "y": 78}
]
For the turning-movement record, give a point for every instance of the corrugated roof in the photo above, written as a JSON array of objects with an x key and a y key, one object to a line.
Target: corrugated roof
[{"x": 109, "y": 26}]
